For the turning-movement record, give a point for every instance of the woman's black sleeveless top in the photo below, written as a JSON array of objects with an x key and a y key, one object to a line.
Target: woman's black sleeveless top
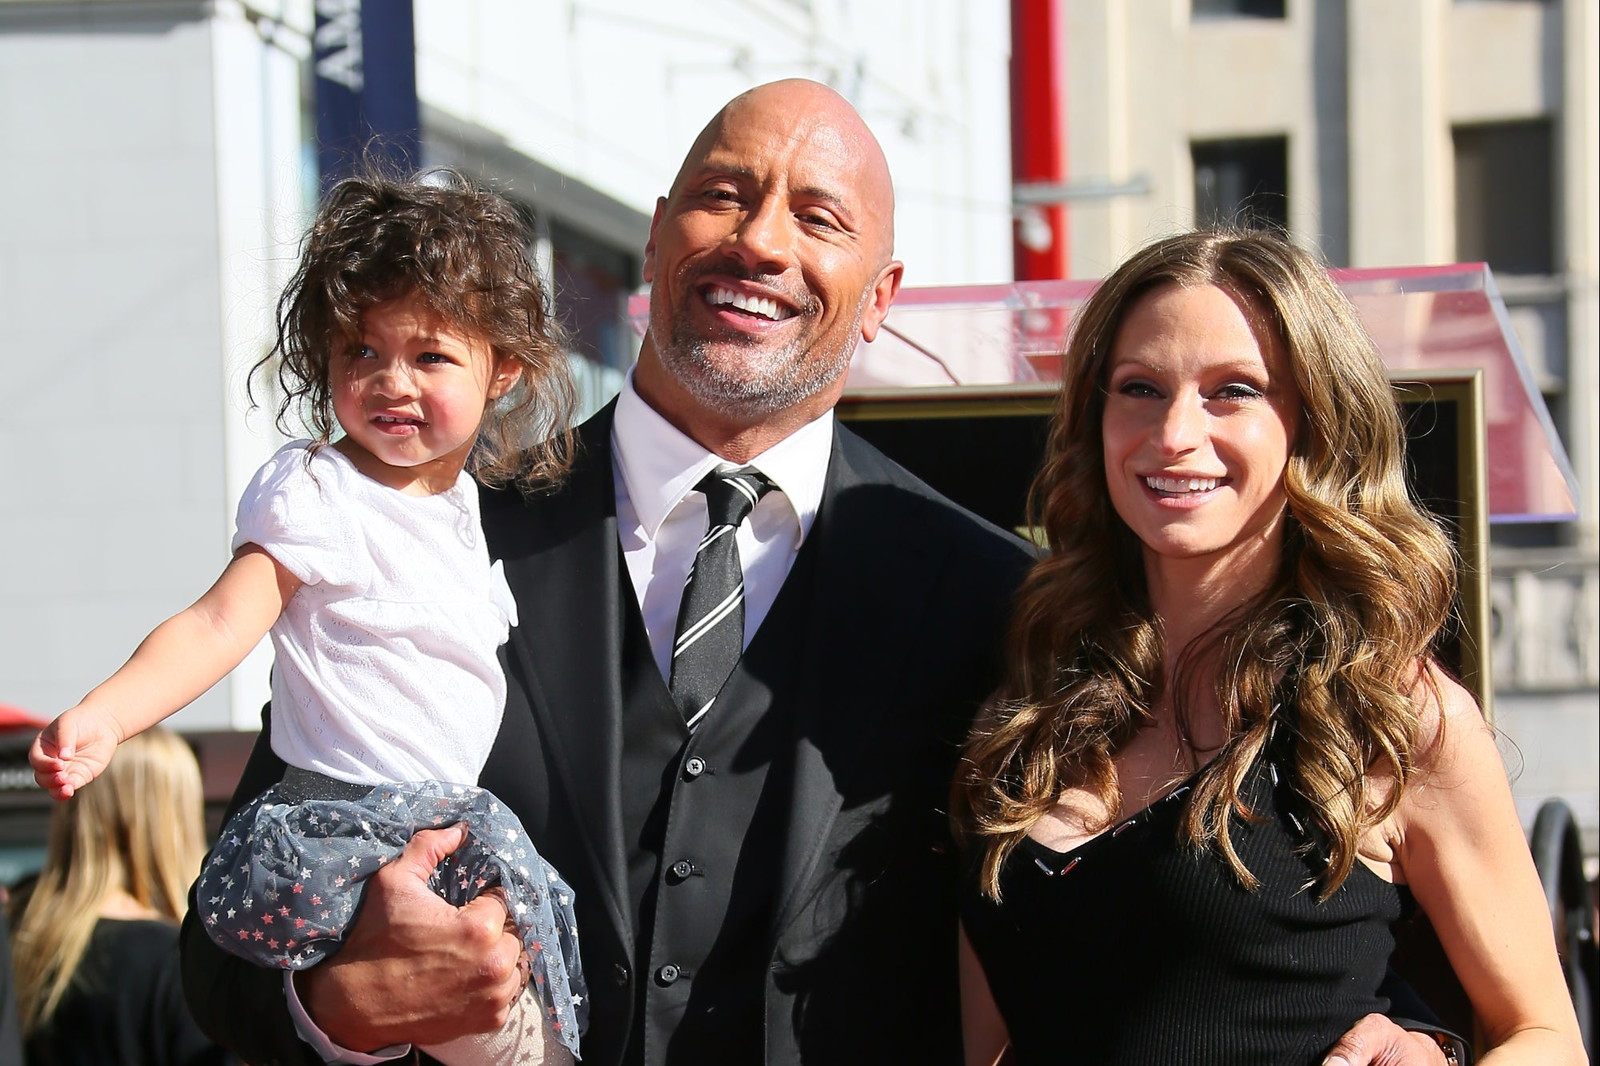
[{"x": 1135, "y": 949}]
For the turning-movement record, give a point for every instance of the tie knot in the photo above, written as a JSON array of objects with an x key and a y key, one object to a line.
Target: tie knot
[{"x": 730, "y": 494}]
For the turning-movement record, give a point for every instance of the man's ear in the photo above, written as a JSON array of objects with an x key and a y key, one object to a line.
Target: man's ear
[
  {"x": 883, "y": 294},
  {"x": 648, "y": 273}
]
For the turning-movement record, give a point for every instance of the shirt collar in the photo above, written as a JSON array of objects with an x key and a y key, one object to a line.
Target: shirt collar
[{"x": 660, "y": 465}]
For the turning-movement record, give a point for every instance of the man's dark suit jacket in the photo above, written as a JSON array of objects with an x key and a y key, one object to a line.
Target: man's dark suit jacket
[{"x": 901, "y": 645}]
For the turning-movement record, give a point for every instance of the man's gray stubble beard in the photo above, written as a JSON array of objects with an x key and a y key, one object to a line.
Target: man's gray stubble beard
[{"x": 690, "y": 361}]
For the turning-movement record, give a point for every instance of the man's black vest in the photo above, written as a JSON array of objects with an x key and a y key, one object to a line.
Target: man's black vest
[{"x": 704, "y": 816}]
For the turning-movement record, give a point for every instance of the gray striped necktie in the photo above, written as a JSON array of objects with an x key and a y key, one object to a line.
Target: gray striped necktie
[{"x": 710, "y": 635}]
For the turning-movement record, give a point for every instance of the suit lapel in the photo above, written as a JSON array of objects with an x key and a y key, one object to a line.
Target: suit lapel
[
  {"x": 564, "y": 570},
  {"x": 871, "y": 577}
]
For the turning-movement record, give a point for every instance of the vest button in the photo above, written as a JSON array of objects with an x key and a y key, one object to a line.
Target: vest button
[
  {"x": 667, "y": 974},
  {"x": 620, "y": 974},
  {"x": 682, "y": 869},
  {"x": 694, "y": 767}
]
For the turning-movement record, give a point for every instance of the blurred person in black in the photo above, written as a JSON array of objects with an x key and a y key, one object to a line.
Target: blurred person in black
[
  {"x": 96, "y": 959},
  {"x": 10, "y": 1029}
]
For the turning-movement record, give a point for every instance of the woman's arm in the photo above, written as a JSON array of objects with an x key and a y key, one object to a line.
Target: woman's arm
[
  {"x": 1461, "y": 847},
  {"x": 983, "y": 1032},
  {"x": 182, "y": 658}
]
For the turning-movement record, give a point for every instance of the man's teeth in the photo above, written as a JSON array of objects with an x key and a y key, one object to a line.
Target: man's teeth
[
  {"x": 1183, "y": 484},
  {"x": 755, "y": 305}
]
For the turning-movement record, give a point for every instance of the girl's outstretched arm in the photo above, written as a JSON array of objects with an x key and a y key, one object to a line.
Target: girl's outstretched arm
[
  {"x": 1461, "y": 847},
  {"x": 184, "y": 656}
]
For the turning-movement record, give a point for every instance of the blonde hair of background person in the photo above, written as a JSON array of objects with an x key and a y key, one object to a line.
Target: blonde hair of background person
[{"x": 126, "y": 847}]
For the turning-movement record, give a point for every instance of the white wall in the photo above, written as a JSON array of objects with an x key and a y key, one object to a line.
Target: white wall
[{"x": 132, "y": 272}]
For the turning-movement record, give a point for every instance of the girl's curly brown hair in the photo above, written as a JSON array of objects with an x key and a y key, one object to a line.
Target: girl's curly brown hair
[
  {"x": 463, "y": 251},
  {"x": 1363, "y": 588}
]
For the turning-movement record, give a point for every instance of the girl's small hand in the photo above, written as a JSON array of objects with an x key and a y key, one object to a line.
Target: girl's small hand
[{"x": 73, "y": 750}]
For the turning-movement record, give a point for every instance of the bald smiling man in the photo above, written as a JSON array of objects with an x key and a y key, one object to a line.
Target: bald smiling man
[{"x": 763, "y": 868}]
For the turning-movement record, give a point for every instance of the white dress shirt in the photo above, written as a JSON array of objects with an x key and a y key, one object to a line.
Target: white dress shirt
[{"x": 661, "y": 518}]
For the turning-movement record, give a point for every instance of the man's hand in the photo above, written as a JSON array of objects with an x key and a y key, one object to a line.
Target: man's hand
[
  {"x": 1377, "y": 1041},
  {"x": 413, "y": 969}
]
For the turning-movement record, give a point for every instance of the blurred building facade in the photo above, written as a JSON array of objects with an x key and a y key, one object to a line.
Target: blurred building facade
[
  {"x": 163, "y": 172},
  {"x": 1388, "y": 134}
]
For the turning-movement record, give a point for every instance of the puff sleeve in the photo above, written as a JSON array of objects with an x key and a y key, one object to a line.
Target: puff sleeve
[{"x": 298, "y": 513}]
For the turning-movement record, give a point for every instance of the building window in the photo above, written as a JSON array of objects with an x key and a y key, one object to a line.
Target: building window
[
  {"x": 1505, "y": 191},
  {"x": 1242, "y": 182},
  {"x": 1255, "y": 9}
]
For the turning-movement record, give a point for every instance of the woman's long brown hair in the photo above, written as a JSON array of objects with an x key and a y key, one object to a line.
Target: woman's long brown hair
[{"x": 1364, "y": 585}]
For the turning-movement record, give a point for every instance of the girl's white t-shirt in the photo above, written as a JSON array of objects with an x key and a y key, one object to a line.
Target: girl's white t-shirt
[{"x": 386, "y": 656}]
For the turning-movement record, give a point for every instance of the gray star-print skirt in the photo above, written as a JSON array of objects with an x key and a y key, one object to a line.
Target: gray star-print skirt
[{"x": 286, "y": 875}]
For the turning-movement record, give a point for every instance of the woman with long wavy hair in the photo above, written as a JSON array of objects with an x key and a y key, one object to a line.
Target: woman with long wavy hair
[
  {"x": 1224, "y": 750},
  {"x": 96, "y": 944}
]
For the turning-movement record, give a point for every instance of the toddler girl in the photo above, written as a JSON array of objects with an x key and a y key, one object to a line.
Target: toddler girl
[{"x": 417, "y": 324}]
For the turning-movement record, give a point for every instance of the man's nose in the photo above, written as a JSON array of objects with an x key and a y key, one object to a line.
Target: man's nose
[{"x": 764, "y": 240}]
